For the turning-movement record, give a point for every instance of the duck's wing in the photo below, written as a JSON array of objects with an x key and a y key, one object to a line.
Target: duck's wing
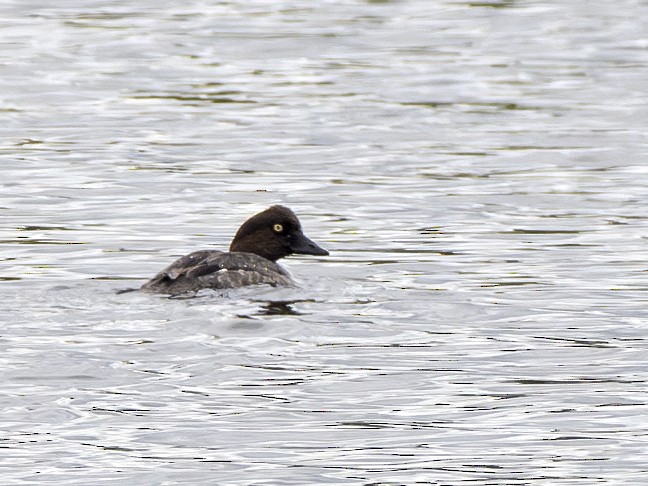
[
  {"x": 175, "y": 272},
  {"x": 187, "y": 263},
  {"x": 210, "y": 269},
  {"x": 238, "y": 269}
]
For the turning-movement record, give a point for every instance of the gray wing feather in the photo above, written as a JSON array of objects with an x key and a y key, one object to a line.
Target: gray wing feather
[{"x": 210, "y": 269}]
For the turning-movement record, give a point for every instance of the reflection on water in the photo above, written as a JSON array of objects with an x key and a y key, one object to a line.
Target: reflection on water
[
  {"x": 477, "y": 170},
  {"x": 278, "y": 309}
]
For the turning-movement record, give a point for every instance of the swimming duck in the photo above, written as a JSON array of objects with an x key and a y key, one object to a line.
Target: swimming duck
[{"x": 262, "y": 240}]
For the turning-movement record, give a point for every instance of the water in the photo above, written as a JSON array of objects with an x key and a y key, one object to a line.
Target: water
[{"x": 477, "y": 170}]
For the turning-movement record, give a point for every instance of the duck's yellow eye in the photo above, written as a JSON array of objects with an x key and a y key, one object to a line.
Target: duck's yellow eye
[{"x": 278, "y": 228}]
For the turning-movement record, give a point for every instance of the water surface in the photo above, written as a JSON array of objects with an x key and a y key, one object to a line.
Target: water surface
[{"x": 477, "y": 170}]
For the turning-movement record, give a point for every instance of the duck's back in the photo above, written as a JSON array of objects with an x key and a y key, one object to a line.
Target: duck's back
[{"x": 212, "y": 269}]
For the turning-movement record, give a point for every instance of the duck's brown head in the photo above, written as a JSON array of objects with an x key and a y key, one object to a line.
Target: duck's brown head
[{"x": 273, "y": 234}]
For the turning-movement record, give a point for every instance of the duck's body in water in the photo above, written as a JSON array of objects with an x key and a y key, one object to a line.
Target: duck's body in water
[{"x": 262, "y": 240}]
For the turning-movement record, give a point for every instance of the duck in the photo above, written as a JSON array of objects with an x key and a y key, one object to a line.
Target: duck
[{"x": 251, "y": 260}]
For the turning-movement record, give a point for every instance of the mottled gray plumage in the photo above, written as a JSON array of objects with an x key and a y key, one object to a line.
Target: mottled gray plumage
[
  {"x": 257, "y": 245},
  {"x": 212, "y": 269}
]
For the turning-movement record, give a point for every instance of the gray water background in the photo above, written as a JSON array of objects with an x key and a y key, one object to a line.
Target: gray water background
[{"x": 478, "y": 171}]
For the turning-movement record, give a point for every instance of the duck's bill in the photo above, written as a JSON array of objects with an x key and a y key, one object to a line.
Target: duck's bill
[{"x": 304, "y": 246}]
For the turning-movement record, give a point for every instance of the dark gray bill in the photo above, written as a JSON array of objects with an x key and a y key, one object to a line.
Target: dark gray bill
[{"x": 302, "y": 245}]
